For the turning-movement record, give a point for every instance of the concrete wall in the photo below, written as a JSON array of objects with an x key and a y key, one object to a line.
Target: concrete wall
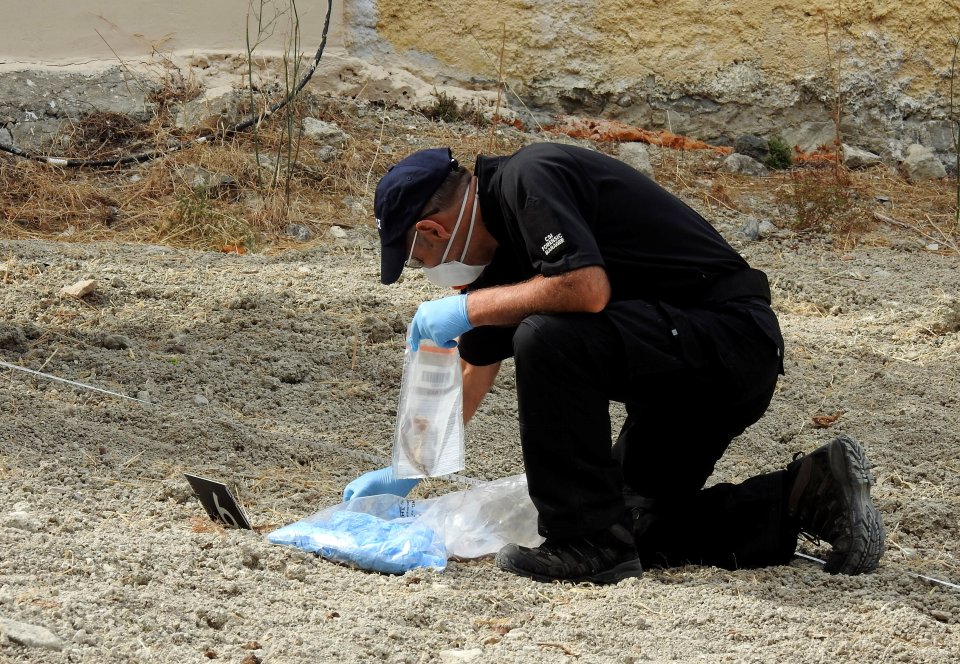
[{"x": 57, "y": 32}]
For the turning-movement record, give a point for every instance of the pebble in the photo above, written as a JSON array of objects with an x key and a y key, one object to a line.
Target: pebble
[
  {"x": 31, "y": 636},
  {"x": 338, "y": 232},
  {"x": 767, "y": 228},
  {"x": 79, "y": 289},
  {"x": 200, "y": 400},
  {"x": 750, "y": 230},
  {"x": 116, "y": 342},
  {"x": 933, "y": 246},
  {"x": 299, "y": 232}
]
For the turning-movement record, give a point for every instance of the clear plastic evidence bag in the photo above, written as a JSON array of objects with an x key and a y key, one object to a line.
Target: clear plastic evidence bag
[{"x": 428, "y": 439}]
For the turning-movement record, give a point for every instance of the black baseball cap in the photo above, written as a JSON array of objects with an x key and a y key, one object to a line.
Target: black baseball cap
[{"x": 401, "y": 196}]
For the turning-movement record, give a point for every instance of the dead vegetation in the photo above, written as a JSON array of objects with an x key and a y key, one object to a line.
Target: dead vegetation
[{"x": 241, "y": 193}]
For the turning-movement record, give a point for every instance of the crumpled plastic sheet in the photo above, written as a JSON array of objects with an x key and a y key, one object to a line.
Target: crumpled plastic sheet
[{"x": 393, "y": 535}]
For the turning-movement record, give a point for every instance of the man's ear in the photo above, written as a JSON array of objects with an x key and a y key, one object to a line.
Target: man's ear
[{"x": 432, "y": 230}]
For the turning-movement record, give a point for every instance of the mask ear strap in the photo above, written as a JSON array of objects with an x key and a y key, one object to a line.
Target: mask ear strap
[
  {"x": 412, "y": 245},
  {"x": 473, "y": 215},
  {"x": 456, "y": 226}
]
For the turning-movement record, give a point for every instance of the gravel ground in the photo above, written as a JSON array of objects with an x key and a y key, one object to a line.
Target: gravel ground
[{"x": 279, "y": 374}]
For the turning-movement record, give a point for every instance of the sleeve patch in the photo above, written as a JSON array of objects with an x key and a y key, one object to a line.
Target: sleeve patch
[{"x": 551, "y": 243}]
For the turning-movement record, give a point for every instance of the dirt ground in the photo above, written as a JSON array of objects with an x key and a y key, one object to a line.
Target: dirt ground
[{"x": 278, "y": 373}]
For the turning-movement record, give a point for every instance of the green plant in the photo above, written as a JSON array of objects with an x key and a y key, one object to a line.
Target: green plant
[{"x": 780, "y": 156}]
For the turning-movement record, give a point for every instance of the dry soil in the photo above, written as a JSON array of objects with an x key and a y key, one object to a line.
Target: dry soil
[{"x": 279, "y": 374}]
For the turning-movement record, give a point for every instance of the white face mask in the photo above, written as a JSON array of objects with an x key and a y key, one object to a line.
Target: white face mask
[{"x": 457, "y": 273}]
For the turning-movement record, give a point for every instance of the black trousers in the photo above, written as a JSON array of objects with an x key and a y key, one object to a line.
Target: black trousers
[{"x": 687, "y": 395}]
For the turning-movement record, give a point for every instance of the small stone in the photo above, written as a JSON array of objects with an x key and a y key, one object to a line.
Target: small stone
[
  {"x": 115, "y": 342},
  {"x": 299, "y": 232},
  {"x": 143, "y": 395},
  {"x": 750, "y": 230},
  {"x": 326, "y": 133},
  {"x": 933, "y": 246},
  {"x": 767, "y": 228},
  {"x": 338, "y": 232},
  {"x": 201, "y": 400},
  {"x": 942, "y": 616},
  {"x": 31, "y": 636},
  {"x": 920, "y": 163},
  {"x": 854, "y": 157},
  {"x": 744, "y": 165},
  {"x": 79, "y": 289},
  {"x": 207, "y": 182}
]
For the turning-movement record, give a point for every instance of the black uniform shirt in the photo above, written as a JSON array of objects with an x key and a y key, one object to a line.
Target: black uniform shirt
[{"x": 553, "y": 208}]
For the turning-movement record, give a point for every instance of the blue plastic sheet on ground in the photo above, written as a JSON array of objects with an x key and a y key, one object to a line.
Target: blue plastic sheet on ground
[
  {"x": 393, "y": 535},
  {"x": 368, "y": 541}
]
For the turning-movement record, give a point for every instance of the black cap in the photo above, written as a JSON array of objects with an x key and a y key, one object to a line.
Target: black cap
[{"x": 401, "y": 196}]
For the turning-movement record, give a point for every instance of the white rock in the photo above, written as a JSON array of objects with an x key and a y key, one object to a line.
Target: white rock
[
  {"x": 933, "y": 246},
  {"x": 471, "y": 655},
  {"x": 767, "y": 228},
  {"x": 31, "y": 636},
  {"x": 638, "y": 156},
  {"x": 338, "y": 232},
  {"x": 79, "y": 289},
  {"x": 200, "y": 400},
  {"x": 324, "y": 132},
  {"x": 921, "y": 164},
  {"x": 854, "y": 157},
  {"x": 741, "y": 163},
  {"x": 20, "y": 520}
]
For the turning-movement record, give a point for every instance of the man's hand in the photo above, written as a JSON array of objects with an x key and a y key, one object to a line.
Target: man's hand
[{"x": 441, "y": 321}]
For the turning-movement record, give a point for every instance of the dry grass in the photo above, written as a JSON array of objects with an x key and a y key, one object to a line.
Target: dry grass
[{"x": 159, "y": 202}]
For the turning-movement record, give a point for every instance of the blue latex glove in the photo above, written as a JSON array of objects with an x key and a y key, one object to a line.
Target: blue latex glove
[
  {"x": 376, "y": 482},
  {"x": 441, "y": 321}
]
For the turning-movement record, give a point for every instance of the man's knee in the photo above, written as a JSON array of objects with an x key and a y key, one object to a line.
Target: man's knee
[{"x": 542, "y": 337}]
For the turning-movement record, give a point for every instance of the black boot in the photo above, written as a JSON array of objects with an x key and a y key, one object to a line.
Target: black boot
[
  {"x": 607, "y": 556},
  {"x": 830, "y": 499}
]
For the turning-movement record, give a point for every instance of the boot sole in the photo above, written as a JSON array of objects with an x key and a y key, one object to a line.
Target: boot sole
[
  {"x": 625, "y": 570},
  {"x": 848, "y": 464}
]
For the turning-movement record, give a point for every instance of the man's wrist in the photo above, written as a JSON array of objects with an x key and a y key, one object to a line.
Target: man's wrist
[{"x": 465, "y": 308}]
